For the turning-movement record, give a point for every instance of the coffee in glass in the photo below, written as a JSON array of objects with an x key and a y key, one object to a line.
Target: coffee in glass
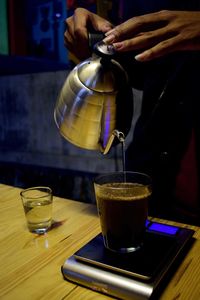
[{"x": 122, "y": 201}]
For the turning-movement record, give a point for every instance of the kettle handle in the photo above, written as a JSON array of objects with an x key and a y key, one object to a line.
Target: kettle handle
[{"x": 95, "y": 37}]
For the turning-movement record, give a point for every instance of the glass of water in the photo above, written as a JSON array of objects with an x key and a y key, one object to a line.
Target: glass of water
[{"x": 37, "y": 203}]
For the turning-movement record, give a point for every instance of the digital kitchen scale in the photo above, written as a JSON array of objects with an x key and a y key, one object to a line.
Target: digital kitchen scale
[{"x": 137, "y": 275}]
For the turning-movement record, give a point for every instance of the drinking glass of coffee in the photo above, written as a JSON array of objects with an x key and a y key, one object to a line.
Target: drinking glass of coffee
[{"x": 122, "y": 202}]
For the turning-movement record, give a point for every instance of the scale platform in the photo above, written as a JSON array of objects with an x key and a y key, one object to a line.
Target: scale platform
[{"x": 138, "y": 275}]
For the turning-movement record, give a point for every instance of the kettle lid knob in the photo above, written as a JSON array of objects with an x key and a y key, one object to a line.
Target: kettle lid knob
[{"x": 104, "y": 50}]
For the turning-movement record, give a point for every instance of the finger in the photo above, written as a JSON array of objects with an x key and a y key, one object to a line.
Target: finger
[
  {"x": 80, "y": 24},
  {"x": 100, "y": 24},
  {"x": 72, "y": 42},
  {"x": 69, "y": 25},
  {"x": 68, "y": 41},
  {"x": 138, "y": 24},
  {"x": 145, "y": 40},
  {"x": 88, "y": 22},
  {"x": 163, "y": 48},
  {"x": 69, "y": 32}
]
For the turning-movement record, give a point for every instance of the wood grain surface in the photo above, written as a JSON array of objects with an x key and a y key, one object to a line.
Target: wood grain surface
[{"x": 31, "y": 264}]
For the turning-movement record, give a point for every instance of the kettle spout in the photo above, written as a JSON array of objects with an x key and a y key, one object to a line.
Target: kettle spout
[{"x": 115, "y": 134}]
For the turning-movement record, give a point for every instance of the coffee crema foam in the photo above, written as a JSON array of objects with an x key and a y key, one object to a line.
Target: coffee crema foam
[{"x": 126, "y": 191}]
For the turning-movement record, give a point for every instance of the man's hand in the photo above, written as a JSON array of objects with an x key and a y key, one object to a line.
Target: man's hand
[
  {"x": 78, "y": 25},
  {"x": 157, "y": 34}
]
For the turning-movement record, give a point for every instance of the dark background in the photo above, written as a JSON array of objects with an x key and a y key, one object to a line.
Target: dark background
[{"x": 33, "y": 67}]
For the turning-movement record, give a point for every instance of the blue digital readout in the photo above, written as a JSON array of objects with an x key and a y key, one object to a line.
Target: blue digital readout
[
  {"x": 147, "y": 223},
  {"x": 163, "y": 228}
]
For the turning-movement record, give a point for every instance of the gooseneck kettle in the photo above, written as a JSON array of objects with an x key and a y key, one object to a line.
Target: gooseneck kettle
[{"x": 95, "y": 103}]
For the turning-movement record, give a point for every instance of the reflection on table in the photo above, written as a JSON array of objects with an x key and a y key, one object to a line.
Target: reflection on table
[{"x": 31, "y": 264}]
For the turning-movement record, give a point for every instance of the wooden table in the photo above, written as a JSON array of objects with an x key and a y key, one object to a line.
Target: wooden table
[{"x": 30, "y": 264}]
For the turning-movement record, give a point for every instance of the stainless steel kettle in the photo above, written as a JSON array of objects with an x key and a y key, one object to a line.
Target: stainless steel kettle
[{"x": 95, "y": 103}]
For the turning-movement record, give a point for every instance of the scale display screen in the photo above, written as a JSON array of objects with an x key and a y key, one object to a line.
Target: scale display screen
[{"x": 163, "y": 228}]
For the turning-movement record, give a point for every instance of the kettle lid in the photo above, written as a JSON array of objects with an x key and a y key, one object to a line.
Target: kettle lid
[{"x": 101, "y": 73}]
